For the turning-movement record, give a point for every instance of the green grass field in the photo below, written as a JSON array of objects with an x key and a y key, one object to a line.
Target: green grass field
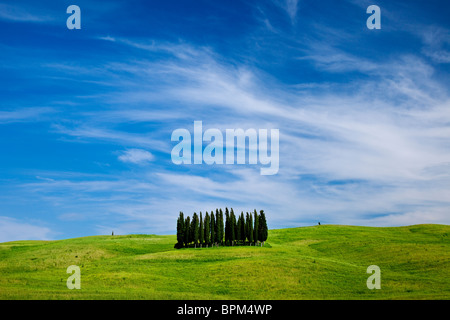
[{"x": 320, "y": 262}]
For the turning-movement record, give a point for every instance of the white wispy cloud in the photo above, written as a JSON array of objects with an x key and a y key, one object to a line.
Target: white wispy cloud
[
  {"x": 290, "y": 7},
  {"x": 136, "y": 156},
  {"x": 25, "y": 114},
  {"x": 12, "y": 229},
  {"x": 386, "y": 133},
  {"x": 436, "y": 43},
  {"x": 107, "y": 38},
  {"x": 20, "y": 14},
  {"x": 109, "y": 135}
]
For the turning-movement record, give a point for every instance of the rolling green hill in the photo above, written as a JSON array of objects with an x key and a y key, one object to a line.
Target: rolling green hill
[{"x": 320, "y": 262}]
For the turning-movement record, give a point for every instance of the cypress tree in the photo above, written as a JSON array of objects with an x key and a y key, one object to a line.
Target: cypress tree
[
  {"x": 207, "y": 229},
  {"x": 242, "y": 227},
  {"x": 250, "y": 229},
  {"x": 177, "y": 246},
  {"x": 212, "y": 228},
  {"x": 227, "y": 227},
  {"x": 217, "y": 227},
  {"x": 247, "y": 227},
  {"x": 256, "y": 228},
  {"x": 187, "y": 231},
  {"x": 191, "y": 229},
  {"x": 217, "y": 231},
  {"x": 201, "y": 231},
  {"x": 232, "y": 227},
  {"x": 180, "y": 230},
  {"x": 221, "y": 228},
  {"x": 264, "y": 232},
  {"x": 227, "y": 215},
  {"x": 234, "y": 221},
  {"x": 194, "y": 229},
  {"x": 238, "y": 229}
]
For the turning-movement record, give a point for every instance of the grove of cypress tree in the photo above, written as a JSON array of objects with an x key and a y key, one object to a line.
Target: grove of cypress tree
[{"x": 238, "y": 229}]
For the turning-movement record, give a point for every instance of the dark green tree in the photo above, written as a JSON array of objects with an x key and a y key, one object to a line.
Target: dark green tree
[
  {"x": 227, "y": 218},
  {"x": 227, "y": 227},
  {"x": 238, "y": 229},
  {"x": 264, "y": 231},
  {"x": 201, "y": 231},
  {"x": 180, "y": 230},
  {"x": 187, "y": 231},
  {"x": 221, "y": 227},
  {"x": 247, "y": 227},
  {"x": 250, "y": 229},
  {"x": 195, "y": 229},
  {"x": 242, "y": 227},
  {"x": 213, "y": 227},
  {"x": 207, "y": 230},
  {"x": 256, "y": 227},
  {"x": 232, "y": 227},
  {"x": 217, "y": 230}
]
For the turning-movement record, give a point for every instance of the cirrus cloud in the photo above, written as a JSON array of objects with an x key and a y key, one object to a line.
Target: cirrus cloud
[{"x": 136, "y": 156}]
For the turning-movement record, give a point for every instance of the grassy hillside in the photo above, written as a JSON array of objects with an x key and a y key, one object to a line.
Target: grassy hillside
[{"x": 320, "y": 262}]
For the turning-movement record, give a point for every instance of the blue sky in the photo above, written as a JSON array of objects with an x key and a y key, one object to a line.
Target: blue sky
[{"x": 86, "y": 115}]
